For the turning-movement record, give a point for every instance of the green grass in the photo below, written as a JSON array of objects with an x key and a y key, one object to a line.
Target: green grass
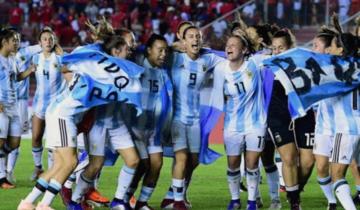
[{"x": 208, "y": 189}]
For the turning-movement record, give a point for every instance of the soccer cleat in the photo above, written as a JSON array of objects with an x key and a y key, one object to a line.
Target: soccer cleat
[
  {"x": 295, "y": 206},
  {"x": 132, "y": 202},
  {"x": 331, "y": 206},
  {"x": 41, "y": 206},
  {"x": 143, "y": 206},
  {"x": 25, "y": 206},
  {"x": 187, "y": 203},
  {"x": 179, "y": 205},
  {"x": 275, "y": 204},
  {"x": 234, "y": 204},
  {"x": 94, "y": 198},
  {"x": 36, "y": 173},
  {"x": 73, "y": 206},
  {"x": 117, "y": 204},
  {"x": 282, "y": 188},
  {"x": 356, "y": 199},
  {"x": 167, "y": 203},
  {"x": 242, "y": 187},
  {"x": 65, "y": 194},
  {"x": 5, "y": 184},
  {"x": 251, "y": 205},
  {"x": 10, "y": 177},
  {"x": 259, "y": 202}
]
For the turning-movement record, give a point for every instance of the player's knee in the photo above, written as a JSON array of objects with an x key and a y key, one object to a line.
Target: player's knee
[
  {"x": 289, "y": 160},
  {"x": 156, "y": 165},
  {"x": 132, "y": 162}
]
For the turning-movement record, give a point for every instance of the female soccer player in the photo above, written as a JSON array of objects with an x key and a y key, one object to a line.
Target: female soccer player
[
  {"x": 323, "y": 133},
  {"x": 188, "y": 73},
  {"x": 49, "y": 83},
  {"x": 245, "y": 116},
  {"x": 60, "y": 116},
  {"x": 9, "y": 117}
]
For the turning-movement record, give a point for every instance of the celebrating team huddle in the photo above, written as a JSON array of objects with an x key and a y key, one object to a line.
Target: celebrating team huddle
[{"x": 108, "y": 98}]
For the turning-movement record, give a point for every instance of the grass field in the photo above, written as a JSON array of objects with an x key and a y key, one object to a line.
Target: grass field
[{"x": 208, "y": 190}]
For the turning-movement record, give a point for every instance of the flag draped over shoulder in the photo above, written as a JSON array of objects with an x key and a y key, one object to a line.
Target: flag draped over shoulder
[
  {"x": 103, "y": 79},
  {"x": 309, "y": 77}
]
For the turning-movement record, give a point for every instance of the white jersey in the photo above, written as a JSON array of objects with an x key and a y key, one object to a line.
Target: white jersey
[
  {"x": 23, "y": 60},
  {"x": 109, "y": 116},
  {"x": 340, "y": 114},
  {"x": 8, "y": 72},
  {"x": 244, "y": 98},
  {"x": 187, "y": 77},
  {"x": 49, "y": 80},
  {"x": 152, "y": 81}
]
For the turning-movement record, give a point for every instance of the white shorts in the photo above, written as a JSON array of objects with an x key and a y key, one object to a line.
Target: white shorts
[
  {"x": 23, "y": 115},
  {"x": 186, "y": 136},
  {"x": 235, "y": 143},
  {"x": 323, "y": 145},
  {"x": 9, "y": 126},
  {"x": 96, "y": 140},
  {"x": 119, "y": 138},
  {"x": 146, "y": 146},
  {"x": 345, "y": 148},
  {"x": 60, "y": 132},
  {"x": 82, "y": 141}
]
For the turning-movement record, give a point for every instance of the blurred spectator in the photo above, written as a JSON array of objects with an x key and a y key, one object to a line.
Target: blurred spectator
[
  {"x": 5, "y": 7},
  {"x": 280, "y": 12},
  {"x": 92, "y": 11},
  {"x": 297, "y": 8},
  {"x": 344, "y": 8},
  {"x": 24, "y": 5},
  {"x": 106, "y": 8},
  {"x": 219, "y": 27},
  {"x": 16, "y": 16},
  {"x": 118, "y": 18},
  {"x": 248, "y": 13},
  {"x": 47, "y": 12}
]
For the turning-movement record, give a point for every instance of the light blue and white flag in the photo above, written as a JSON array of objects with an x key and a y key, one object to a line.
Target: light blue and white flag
[
  {"x": 103, "y": 79},
  {"x": 309, "y": 77}
]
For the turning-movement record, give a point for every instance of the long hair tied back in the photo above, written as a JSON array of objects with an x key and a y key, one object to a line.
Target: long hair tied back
[{"x": 102, "y": 30}]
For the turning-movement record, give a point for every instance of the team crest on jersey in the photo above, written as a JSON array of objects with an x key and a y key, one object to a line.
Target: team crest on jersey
[
  {"x": 56, "y": 65},
  {"x": 249, "y": 74},
  {"x": 22, "y": 58},
  {"x": 278, "y": 138},
  {"x": 204, "y": 68}
]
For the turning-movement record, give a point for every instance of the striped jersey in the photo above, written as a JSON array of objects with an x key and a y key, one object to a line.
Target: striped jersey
[
  {"x": 23, "y": 60},
  {"x": 8, "y": 72},
  {"x": 340, "y": 114},
  {"x": 244, "y": 98},
  {"x": 152, "y": 81},
  {"x": 49, "y": 80},
  {"x": 109, "y": 116},
  {"x": 187, "y": 76}
]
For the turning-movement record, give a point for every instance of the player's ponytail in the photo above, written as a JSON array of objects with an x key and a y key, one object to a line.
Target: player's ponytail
[{"x": 101, "y": 31}]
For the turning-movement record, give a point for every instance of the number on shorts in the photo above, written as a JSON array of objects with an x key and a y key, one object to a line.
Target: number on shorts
[
  {"x": 154, "y": 85},
  {"x": 261, "y": 139},
  {"x": 309, "y": 139},
  {"x": 193, "y": 79},
  {"x": 355, "y": 99},
  {"x": 240, "y": 87}
]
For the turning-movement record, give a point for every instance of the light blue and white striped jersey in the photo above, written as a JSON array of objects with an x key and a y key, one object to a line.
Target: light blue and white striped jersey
[
  {"x": 152, "y": 81},
  {"x": 244, "y": 98},
  {"x": 23, "y": 60},
  {"x": 8, "y": 72},
  {"x": 109, "y": 116},
  {"x": 49, "y": 80},
  {"x": 340, "y": 114},
  {"x": 187, "y": 76}
]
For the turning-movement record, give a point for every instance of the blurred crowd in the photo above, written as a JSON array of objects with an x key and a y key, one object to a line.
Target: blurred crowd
[{"x": 68, "y": 18}]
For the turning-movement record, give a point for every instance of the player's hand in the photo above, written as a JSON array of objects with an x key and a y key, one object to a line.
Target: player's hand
[
  {"x": 1, "y": 108},
  {"x": 32, "y": 68}
]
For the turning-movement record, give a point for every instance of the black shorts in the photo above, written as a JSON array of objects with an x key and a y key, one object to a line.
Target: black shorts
[
  {"x": 280, "y": 132},
  {"x": 304, "y": 130}
]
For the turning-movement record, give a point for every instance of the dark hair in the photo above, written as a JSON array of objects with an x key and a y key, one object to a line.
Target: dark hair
[
  {"x": 122, "y": 31},
  {"x": 287, "y": 36},
  {"x": 6, "y": 34},
  {"x": 46, "y": 30},
  {"x": 114, "y": 41},
  {"x": 246, "y": 42},
  {"x": 266, "y": 31},
  {"x": 188, "y": 28},
  {"x": 326, "y": 35},
  {"x": 150, "y": 42},
  {"x": 234, "y": 26},
  {"x": 349, "y": 43}
]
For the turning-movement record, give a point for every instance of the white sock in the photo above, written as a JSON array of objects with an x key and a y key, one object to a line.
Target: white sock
[
  {"x": 2, "y": 164},
  {"x": 37, "y": 156},
  {"x": 50, "y": 158},
  {"x": 39, "y": 188},
  {"x": 170, "y": 193},
  {"x": 178, "y": 189},
  {"x": 252, "y": 180},
  {"x": 242, "y": 167},
  {"x": 233, "y": 178},
  {"x": 124, "y": 180},
  {"x": 52, "y": 190},
  {"x": 11, "y": 160},
  {"x": 81, "y": 187},
  {"x": 343, "y": 193},
  {"x": 70, "y": 181},
  {"x": 272, "y": 177},
  {"x": 326, "y": 187},
  {"x": 278, "y": 163},
  {"x": 145, "y": 193}
]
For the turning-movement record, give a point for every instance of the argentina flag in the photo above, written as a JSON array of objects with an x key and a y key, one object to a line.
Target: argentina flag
[
  {"x": 309, "y": 77},
  {"x": 102, "y": 79}
]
